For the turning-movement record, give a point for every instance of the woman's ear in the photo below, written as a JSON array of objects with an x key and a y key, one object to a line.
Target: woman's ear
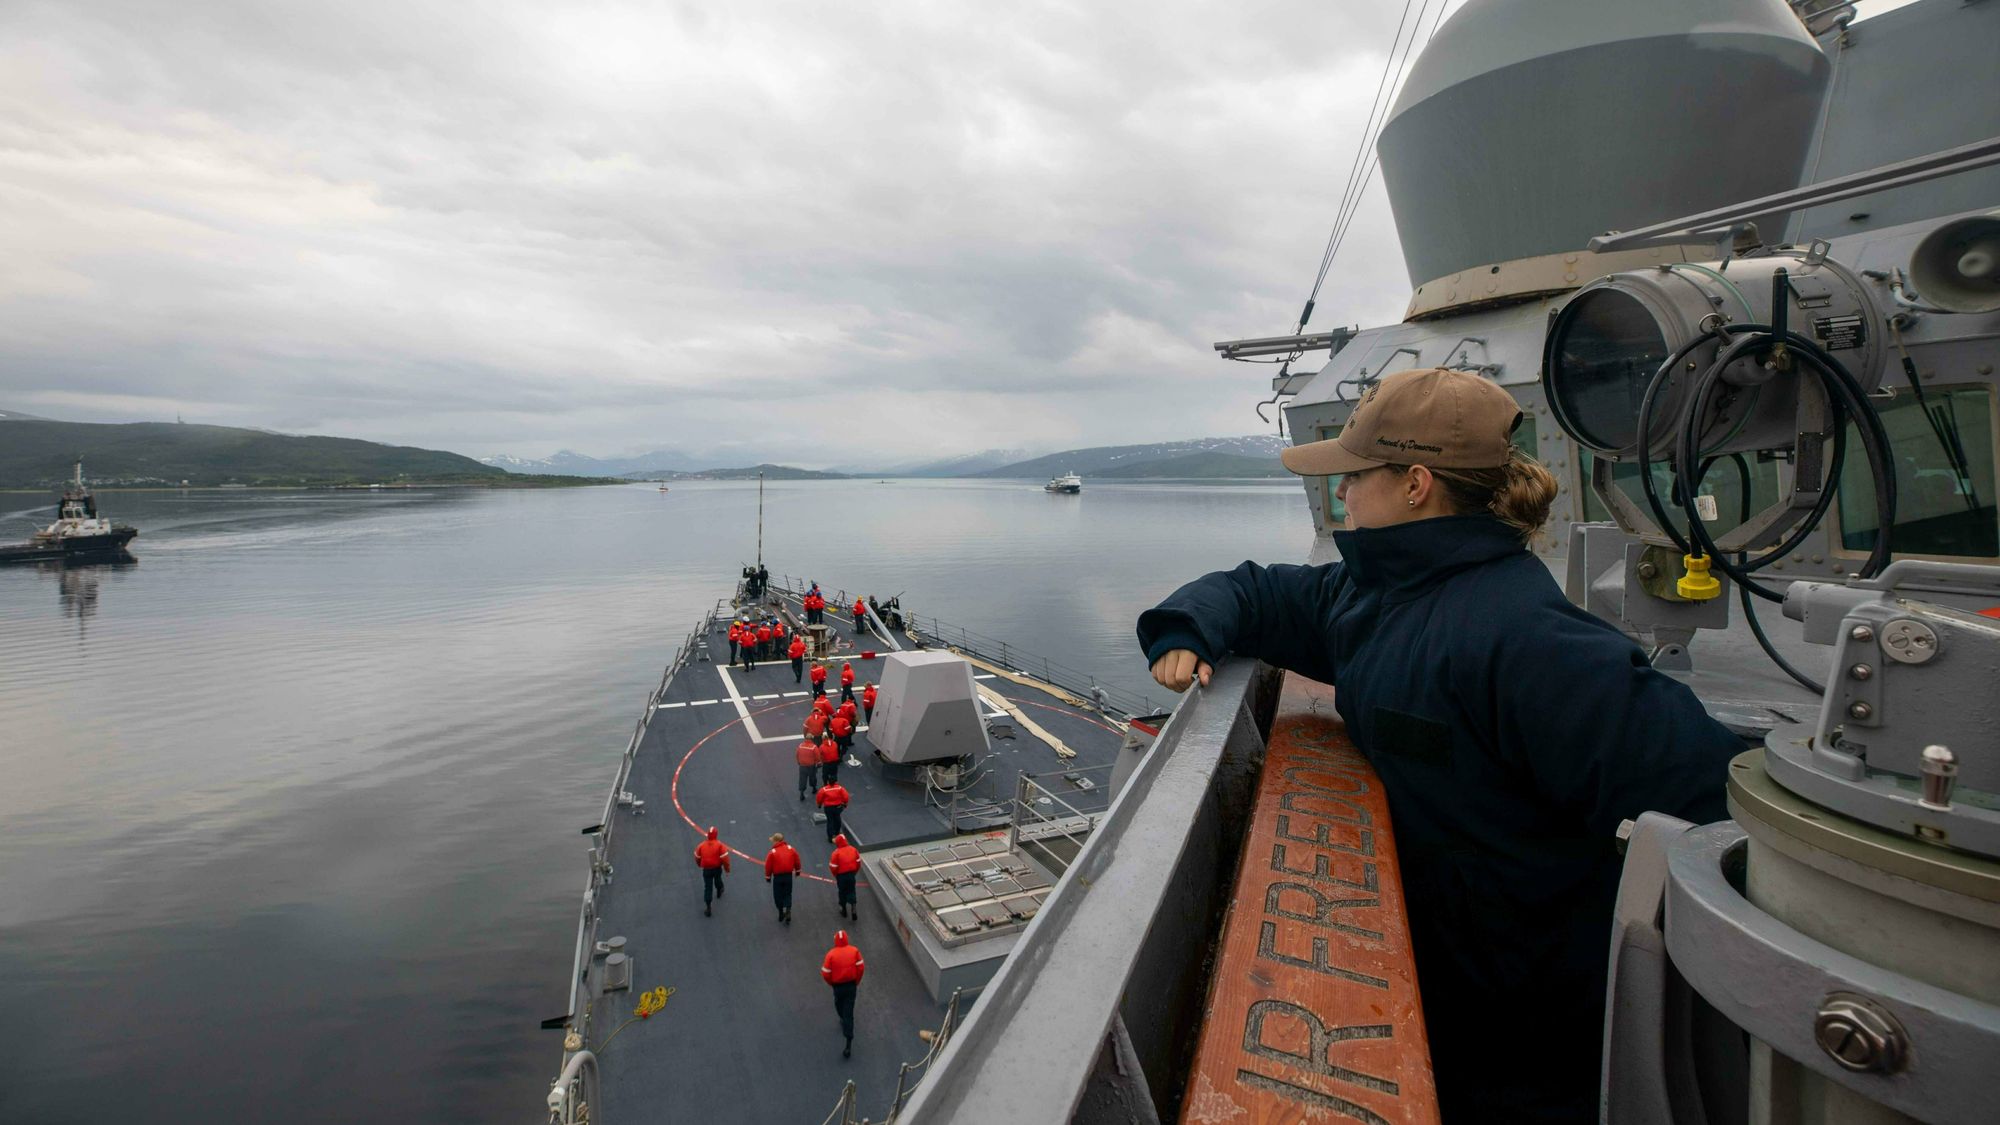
[{"x": 1418, "y": 485}]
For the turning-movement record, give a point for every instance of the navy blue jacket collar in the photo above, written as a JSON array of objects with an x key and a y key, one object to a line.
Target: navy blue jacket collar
[{"x": 1406, "y": 559}]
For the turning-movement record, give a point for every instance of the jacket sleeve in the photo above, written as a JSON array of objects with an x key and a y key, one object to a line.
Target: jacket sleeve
[
  {"x": 1604, "y": 735},
  {"x": 1282, "y": 615}
]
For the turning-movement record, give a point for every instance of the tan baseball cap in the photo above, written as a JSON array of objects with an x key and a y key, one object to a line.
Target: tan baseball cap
[{"x": 1433, "y": 416}]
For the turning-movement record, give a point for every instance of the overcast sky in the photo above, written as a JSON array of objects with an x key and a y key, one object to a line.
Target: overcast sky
[{"x": 896, "y": 228}]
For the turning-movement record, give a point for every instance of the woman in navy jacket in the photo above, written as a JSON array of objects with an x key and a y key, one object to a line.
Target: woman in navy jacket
[{"x": 1512, "y": 730}]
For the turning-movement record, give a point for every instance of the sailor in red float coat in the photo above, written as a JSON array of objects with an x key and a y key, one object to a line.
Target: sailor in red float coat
[
  {"x": 735, "y": 640},
  {"x": 846, "y": 682},
  {"x": 832, "y": 798},
  {"x": 829, "y": 760},
  {"x": 846, "y": 710},
  {"x": 843, "y": 731},
  {"x": 860, "y": 615},
  {"x": 815, "y": 725},
  {"x": 823, "y": 706},
  {"x": 819, "y": 680},
  {"x": 764, "y": 635},
  {"x": 845, "y": 862},
  {"x": 797, "y": 652},
  {"x": 808, "y": 759},
  {"x": 868, "y": 703},
  {"x": 842, "y": 969},
  {"x": 779, "y": 866},
  {"x": 712, "y": 856}
]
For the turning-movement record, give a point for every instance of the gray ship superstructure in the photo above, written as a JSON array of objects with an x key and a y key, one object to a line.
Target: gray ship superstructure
[{"x": 1775, "y": 233}]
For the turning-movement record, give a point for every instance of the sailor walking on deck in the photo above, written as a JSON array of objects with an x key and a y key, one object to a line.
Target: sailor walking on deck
[
  {"x": 1512, "y": 730},
  {"x": 868, "y": 704},
  {"x": 808, "y": 759},
  {"x": 829, "y": 760},
  {"x": 833, "y": 799},
  {"x": 712, "y": 856},
  {"x": 819, "y": 680},
  {"x": 843, "y": 732},
  {"x": 797, "y": 652},
  {"x": 779, "y": 866},
  {"x": 845, "y": 863},
  {"x": 842, "y": 968},
  {"x": 846, "y": 681}
]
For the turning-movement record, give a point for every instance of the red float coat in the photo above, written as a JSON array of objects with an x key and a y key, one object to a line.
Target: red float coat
[
  {"x": 846, "y": 710},
  {"x": 832, "y": 793},
  {"x": 735, "y": 633},
  {"x": 860, "y": 607},
  {"x": 819, "y": 675},
  {"x": 798, "y": 649},
  {"x": 808, "y": 753},
  {"x": 815, "y": 726},
  {"x": 868, "y": 696},
  {"x": 712, "y": 852},
  {"x": 823, "y": 706},
  {"x": 843, "y": 964},
  {"x": 778, "y": 629},
  {"x": 784, "y": 860},
  {"x": 842, "y": 726},
  {"x": 829, "y": 751},
  {"x": 763, "y": 634},
  {"x": 846, "y": 858},
  {"x": 847, "y": 675}
]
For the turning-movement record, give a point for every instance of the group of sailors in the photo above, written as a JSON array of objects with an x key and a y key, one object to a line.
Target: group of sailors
[
  {"x": 814, "y": 603},
  {"x": 828, "y": 736},
  {"x": 843, "y": 966}
]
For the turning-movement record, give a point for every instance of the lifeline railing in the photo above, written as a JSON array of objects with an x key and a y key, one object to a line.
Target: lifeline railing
[
  {"x": 575, "y": 1087},
  {"x": 1075, "y": 681},
  {"x": 843, "y": 1109}
]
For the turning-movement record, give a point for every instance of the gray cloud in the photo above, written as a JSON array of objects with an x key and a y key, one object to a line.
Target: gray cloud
[{"x": 522, "y": 226}]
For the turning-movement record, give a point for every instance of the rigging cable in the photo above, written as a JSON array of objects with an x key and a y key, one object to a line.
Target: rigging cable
[
  {"x": 1403, "y": 53},
  {"x": 1375, "y": 156}
]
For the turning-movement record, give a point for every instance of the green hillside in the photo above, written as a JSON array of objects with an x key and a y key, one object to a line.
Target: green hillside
[
  {"x": 1197, "y": 466},
  {"x": 35, "y": 454}
]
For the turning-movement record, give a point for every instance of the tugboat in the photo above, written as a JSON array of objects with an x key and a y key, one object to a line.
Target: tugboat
[
  {"x": 78, "y": 535},
  {"x": 1068, "y": 482}
]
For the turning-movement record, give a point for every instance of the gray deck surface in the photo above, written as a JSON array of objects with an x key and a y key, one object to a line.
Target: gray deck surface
[{"x": 749, "y": 1034}]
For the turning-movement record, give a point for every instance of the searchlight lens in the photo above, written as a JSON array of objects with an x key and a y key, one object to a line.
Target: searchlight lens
[{"x": 1603, "y": 351}]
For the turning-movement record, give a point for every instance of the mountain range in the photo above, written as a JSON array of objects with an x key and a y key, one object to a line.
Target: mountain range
[
  {"x": 38, "y": 452},
  {"x": 1200, "y": 458}
]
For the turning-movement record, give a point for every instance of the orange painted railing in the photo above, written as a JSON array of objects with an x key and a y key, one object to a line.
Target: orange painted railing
[{"x": 1313, "y": 1012}]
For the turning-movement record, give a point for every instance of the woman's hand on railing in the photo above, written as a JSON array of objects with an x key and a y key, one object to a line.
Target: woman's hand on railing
[{"x": 1178, "y": 669}]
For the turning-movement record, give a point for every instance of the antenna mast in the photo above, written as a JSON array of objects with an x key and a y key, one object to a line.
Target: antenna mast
[{"x": 760, "y": 517}]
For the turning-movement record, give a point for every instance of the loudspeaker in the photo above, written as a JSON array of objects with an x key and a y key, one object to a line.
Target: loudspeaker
[{"x": 1957, "y": 266}]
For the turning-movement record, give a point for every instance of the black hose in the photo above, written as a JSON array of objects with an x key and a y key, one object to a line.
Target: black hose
[
  {"x": 1844, "y": 391},
  {"x": 1743, "y": 591}
]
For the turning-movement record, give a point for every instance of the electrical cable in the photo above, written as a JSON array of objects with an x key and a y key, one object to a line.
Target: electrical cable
[
  {"x": 1743, "y": 591},
  {"x": 1835, "y": 378},
  {"x": 1845, "y": 399}
]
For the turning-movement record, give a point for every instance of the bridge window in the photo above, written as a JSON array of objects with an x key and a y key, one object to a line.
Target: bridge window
[{"x": 1943, "y": 451}]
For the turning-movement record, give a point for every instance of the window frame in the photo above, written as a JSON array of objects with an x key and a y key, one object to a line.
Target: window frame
[{"x": 1836, "y": 533}]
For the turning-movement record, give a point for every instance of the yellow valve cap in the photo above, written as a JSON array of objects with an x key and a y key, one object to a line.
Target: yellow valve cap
[{"x": 1697, "y": 584}]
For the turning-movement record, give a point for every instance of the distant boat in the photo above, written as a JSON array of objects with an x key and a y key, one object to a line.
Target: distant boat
[
  {"x": 1068, "y": 482},
  {"x": 79, "y": 533},
  {"x": 664, "y": 488}
]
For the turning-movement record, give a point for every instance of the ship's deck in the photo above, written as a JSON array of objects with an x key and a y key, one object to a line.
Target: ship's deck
[{"x": 749, "y": 1033}]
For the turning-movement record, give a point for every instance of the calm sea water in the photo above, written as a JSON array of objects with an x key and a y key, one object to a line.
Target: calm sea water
[{"x": 289, "y": 808}]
